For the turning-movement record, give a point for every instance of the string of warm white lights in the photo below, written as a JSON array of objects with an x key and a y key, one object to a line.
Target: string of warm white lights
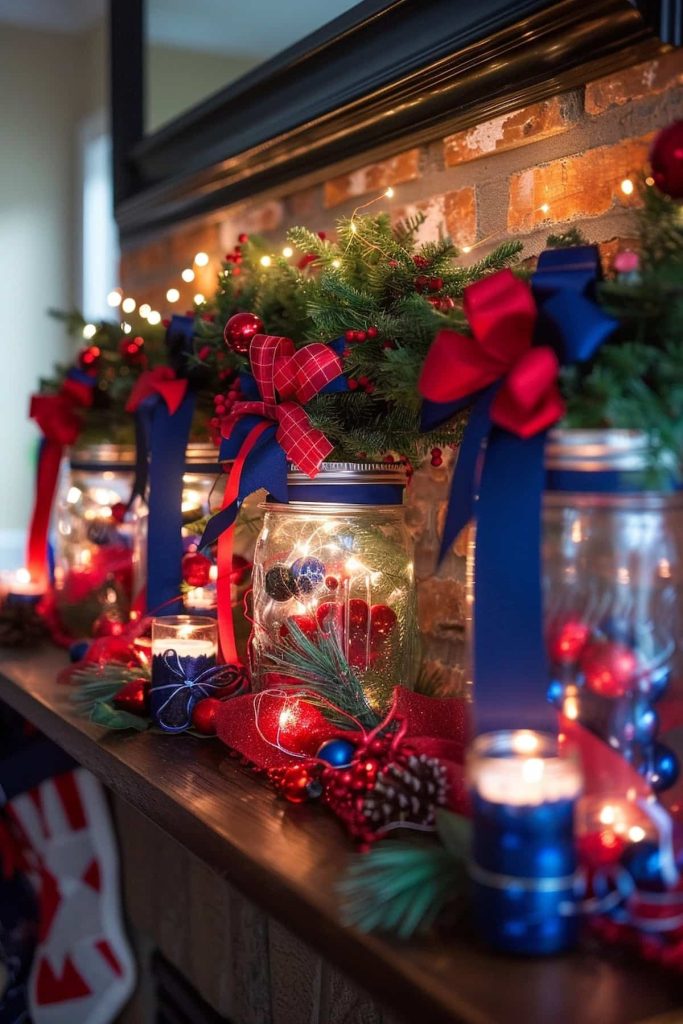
[{"x": 116, "y": 298}]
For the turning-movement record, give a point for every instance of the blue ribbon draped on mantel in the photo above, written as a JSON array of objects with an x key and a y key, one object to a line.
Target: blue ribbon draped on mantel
[{"x": 499, "y": 477}]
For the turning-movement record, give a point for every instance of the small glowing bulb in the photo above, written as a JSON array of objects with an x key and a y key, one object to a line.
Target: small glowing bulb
[
  {"x": 389, "y": 193},
  {"x": 213, "y": 573},
  {"x": 73, "y": 495},
  {"x": 353, "y": 227},
  {"x": 608, "y": 815},
  {"x": 532, "y": 770},
  {"x": 154, "y": 318},
  {"x": 287, "y": 252},
  {"x": 188, "y": 274},
  {"x": 201, "y": 259},
  {"x": 265, "y": 261},
  {"x": 144, "y": 310},
  {"x": 199, "y": 299},
  {"x": 336, "y": 264},
  {"x": 89, "y": 331},
  {"x": 126, "y": 328},
  {"x": 524, "y": 742},
  {"x": 128, "y": 305},
  {"x": 286, "y": 716},
  {"x": 649, "y": 181},
  {"x": 627, "y": 187},
  {"x": 466, "y": 249},
  {"x": 23, "y": 576},
  {"x": 636, "y": 834},
  {"x": 114, "y": 298},
  {"x": 172, "y": 295},
  {"x": 545, "y": 208}
]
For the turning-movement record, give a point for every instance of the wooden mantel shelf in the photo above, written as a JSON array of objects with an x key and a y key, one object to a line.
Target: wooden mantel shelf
[{"x": 287, "y": 860}]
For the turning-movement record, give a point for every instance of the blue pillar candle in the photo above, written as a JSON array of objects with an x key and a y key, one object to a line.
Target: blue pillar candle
[
  {"x": 19, "y": 589},
  {"x": 184, "y": 648},
  {"x": 524, "y": 857}
]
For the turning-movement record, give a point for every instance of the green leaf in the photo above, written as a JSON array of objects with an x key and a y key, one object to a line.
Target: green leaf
[{"x": 109, "y": 717}]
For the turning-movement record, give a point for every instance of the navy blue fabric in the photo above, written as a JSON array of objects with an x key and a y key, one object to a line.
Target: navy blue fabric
[{"x": 169, "y": 439}]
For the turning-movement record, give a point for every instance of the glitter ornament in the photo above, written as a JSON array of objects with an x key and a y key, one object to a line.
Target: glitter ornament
[
  {"x": 609, "y": 667},
  {"x": 133, "y": 697},
  {"x": 280, "y": 583},
  {"x": 331, "y": 582},
  {"x": 196, "y": 569},
  {"x": 299, "y": 783},
  {"x": 660, "y": 768},
  {"x": 239, "y": 331},
  {"x": 338, "y": 753},
  {"x": 308, "y": 573}
]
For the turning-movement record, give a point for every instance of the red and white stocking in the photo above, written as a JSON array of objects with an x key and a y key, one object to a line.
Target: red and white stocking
[{"x": 83, "y": 971}]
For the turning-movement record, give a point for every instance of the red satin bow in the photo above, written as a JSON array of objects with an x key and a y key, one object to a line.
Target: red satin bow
[
  {"x": 502, "y": 314},
  {"x": 295, "y": 377},
  {"x": 159, "y": 381}
]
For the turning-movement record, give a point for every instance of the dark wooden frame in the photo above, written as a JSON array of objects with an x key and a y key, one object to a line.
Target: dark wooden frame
[{"x": 385, "y": 74}]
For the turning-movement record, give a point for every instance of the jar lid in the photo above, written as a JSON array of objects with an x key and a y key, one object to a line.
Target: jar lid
[
  {"x": 351, "y": 473},
  {"x": 594, "y": 451},
  {"x": 102, "y": 456}
]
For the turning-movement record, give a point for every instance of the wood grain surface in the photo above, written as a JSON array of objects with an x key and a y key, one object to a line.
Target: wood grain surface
[{"x": 285, "y": 860}]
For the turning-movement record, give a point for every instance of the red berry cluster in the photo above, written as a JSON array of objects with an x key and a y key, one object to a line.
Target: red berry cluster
[
  {"x": 362, "y": 383},
  {"x": 428, "y": 284},
  {"x": 443, "y": 303},
  {"x": 360, "y": 336},
  {"x": 131, "y": 350},
  {"x": 236, "y": 256},
  {"x": 421, "y": 262},
  {"x": 437, "y": 457},
  {"x": 222, "y": 404}
]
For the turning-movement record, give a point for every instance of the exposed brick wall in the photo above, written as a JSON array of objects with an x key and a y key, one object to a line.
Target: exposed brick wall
[{"x": 555, "y": 163}]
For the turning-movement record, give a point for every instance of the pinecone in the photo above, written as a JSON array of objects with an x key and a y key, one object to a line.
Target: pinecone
[
  {"x": 407, "y": 790},
  {"x": 21, "y": 626}
]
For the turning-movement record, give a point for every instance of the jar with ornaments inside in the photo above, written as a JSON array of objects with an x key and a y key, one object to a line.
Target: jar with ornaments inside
[
  {"x": 612, "y": 558},
  {"x": 336, "y": 562},
  {"x": 95, "y": 557}
]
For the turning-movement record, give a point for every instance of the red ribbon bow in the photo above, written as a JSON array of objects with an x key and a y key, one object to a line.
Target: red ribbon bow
[
  {"x": 295, "y": 377},
  {"x": 159, "y": 381},
  {"x": 502, "y": 314}
]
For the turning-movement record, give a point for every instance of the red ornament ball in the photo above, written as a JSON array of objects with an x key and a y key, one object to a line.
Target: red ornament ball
[
  {"x": 331, "y": 582},
  {"x": 421, "y": 283},
  {"x": 196, "y": 569},
  {"x": 666, "y": 160},
  {"x": 568, "y": 641},
  {"x": 108, "y": 625},
  {"x": 243, "y": 237},
  {"x": 239, "y": 331},
  {"x": 89, "y": 357},
  {"x": 609, "y": 667},
  {"x": 204, "y": 716},
  {"x": 382, "y": 620},
  {"x": 358, "y": 614},
  {"x": 118, "y": 511},
  {"x": 133, "y": 697},
  {"x": 599, "y": 849}
]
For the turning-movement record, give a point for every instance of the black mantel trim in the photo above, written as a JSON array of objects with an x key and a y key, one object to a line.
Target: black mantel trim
[{"x": 379, "y": 77}]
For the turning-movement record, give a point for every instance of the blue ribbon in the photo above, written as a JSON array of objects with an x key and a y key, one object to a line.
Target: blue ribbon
[
  {"x": 174, "y": 702},
  {"x": 499, "y": 479},
  {"x": 266, "y": 467}
]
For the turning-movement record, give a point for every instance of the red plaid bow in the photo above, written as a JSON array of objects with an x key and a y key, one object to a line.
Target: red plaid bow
[
  {"x": 159, "y": 381},
  {"x": 295, "y": 377}
]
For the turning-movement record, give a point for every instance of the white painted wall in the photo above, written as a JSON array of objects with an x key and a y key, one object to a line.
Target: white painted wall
[{"x": 39, "y": 75}]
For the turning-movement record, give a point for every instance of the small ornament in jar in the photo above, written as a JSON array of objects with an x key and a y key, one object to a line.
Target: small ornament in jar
[
  {"x": 280, "y": 583},
  {"x": 239, "y": 331},
  {"x": 610, "y": 667},
  {"x": 196, "y": 569},
  {"x": 568, "y": 641},
  {"x": 308, "y": 573}
]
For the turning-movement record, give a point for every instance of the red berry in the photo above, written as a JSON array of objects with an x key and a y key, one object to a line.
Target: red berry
[
  {"x": 353, "y": 383},
  {"x": 196, "y": 569},
  {"x": 331, "y": 582},
  {"x": 295, "y": 783},
  {"x": 204, "y": 715},
  {"x": 421, "y": 283},
  {"x": 363, "y": 381},
  {"x": 421, "y": 262},
  {"x": 361, "y": 335},
  {"x": 436, "y": 451},
  {"x": 236, "y": 271},
  {"x": 393, "y": 264},
  {"x": 322, "y": 235},
  {"x": 435, "y": 284},
  {"x": 118, "y": 512},
  {"x": 437, "y": 460},
  {"x": 610, "y": 667},
  {"x": 350, "y": 335},
  {"x": 243, "y": 237},
  {"x": 372, "y": 332}
]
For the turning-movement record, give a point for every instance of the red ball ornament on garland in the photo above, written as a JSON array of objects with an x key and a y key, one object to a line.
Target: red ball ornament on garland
[
  {"x": 204, "y": 716},
  {"x": 300, "y": 783},
  {"x": 568, "y": 641},
  {"x": 239, "y": 331},
  {"x": 666, "y": 160},
  {"x": 610, "y": 668},
  {"x": 89, "y": 357},
  {"x": 118, "y": 511},
  {"x": 196, "y": 569},
  {"x": 133, "y": 697}
]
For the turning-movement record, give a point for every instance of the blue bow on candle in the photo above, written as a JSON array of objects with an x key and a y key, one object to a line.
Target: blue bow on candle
[
  {"x": 192, "y": 679},
  {"x": 499, "y": 477}
]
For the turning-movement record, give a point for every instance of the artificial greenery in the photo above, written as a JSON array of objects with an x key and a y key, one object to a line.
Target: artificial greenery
[{"x": 635, "y": 380}]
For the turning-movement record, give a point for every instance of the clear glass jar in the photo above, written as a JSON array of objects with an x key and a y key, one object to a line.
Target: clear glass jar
[
  {"x": 612, "y": 564},
  {"x": 338, "y": 567},
  {"x": 94, "y": 548}
]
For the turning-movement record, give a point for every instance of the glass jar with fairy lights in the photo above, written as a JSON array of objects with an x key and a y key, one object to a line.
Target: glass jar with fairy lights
[
  {"x": 336, "y": 562},
  {"x": 94, "y": 547}
]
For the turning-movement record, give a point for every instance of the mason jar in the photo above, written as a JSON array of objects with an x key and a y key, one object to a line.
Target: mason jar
[
  {"x": 612, "y": 564},
  {"x": 94, "y": 546},
  {"x": 337, "y": 562}
]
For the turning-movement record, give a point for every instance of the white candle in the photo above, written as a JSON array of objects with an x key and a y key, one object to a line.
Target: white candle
[
  {"x": 19, "y": 584},
  {"x": 184, "y": 648},
  {"x": 526, "y": 776}
]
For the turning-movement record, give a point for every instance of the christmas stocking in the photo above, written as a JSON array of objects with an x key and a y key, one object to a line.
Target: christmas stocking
[{"x": 83, "y": 971}]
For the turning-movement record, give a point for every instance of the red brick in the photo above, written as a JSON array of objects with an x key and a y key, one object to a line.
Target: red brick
[
  {"x": 452, "y": 213},
  {"x": 584, "y": 185},
  {"x": 530, "y": 124},
  {"x": 400, "y": 168},
  {"x": 441, "y": 606},
  {"x": 649, "y": 79}
]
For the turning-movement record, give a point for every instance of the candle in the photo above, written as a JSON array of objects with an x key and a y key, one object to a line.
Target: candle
[
  {"x": 18, "y": 588},
  {"x": 183, "y": 647},
  {"x": 524, "y": 794}
]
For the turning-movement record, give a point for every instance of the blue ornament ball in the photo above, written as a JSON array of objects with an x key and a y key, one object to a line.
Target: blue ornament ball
[
  {"x": 643, "y": 862},
  {"x": 655, "y": 684},
  {"x": 308, "y": 573},
  {"x": 555, "y": 692},
  {"x": 337, "y": 753},
  {"x": 660, "y": 767},
  {"x": 78, "y": 650},
  {"x": 633, "y": 722}
]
